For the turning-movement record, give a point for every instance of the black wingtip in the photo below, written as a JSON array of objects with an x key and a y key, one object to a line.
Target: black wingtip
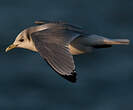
[{"x": 71, "y": 78}]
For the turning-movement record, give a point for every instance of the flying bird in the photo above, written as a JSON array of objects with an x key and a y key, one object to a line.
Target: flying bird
[{"x": 57, "y": 42}]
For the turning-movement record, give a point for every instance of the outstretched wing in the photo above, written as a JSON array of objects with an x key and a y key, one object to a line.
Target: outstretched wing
[{"x": 52, "y": 44}]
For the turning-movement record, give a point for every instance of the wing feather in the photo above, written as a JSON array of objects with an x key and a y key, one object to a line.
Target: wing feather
[{"x": 52, "y": 44}]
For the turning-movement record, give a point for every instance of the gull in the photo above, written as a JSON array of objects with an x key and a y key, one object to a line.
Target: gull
[{"x": 57, "y": 42}]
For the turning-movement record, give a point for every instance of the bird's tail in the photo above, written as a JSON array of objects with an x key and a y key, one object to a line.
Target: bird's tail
[{"x": 116, "y": 41}]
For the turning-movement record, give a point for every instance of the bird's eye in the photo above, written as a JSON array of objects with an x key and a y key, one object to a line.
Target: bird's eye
[{"x": 21, "y": 40}]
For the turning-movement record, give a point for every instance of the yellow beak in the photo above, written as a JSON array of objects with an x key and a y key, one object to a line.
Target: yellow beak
[{"x": 10, "y": 47}]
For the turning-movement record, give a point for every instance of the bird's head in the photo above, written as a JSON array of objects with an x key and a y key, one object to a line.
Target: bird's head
[{"x": 23, "y": 40}]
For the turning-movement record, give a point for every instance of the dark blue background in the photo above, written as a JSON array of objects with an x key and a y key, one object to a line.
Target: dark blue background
[{"x": 105, "y": 77}]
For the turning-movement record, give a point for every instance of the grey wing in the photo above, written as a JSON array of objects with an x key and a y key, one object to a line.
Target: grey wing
[{"x": 53, "y": 47}]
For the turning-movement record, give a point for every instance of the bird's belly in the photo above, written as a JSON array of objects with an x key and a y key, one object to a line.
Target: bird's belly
[
  {"x": 75, "y": 51},
  {"x": 79, "y": 46}
]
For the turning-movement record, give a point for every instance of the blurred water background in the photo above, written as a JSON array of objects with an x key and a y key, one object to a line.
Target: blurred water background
[{"x": 105, "y": 77}]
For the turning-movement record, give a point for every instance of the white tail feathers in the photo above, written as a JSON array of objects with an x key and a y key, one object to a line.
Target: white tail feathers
[{"x": 116, "y": 41}]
